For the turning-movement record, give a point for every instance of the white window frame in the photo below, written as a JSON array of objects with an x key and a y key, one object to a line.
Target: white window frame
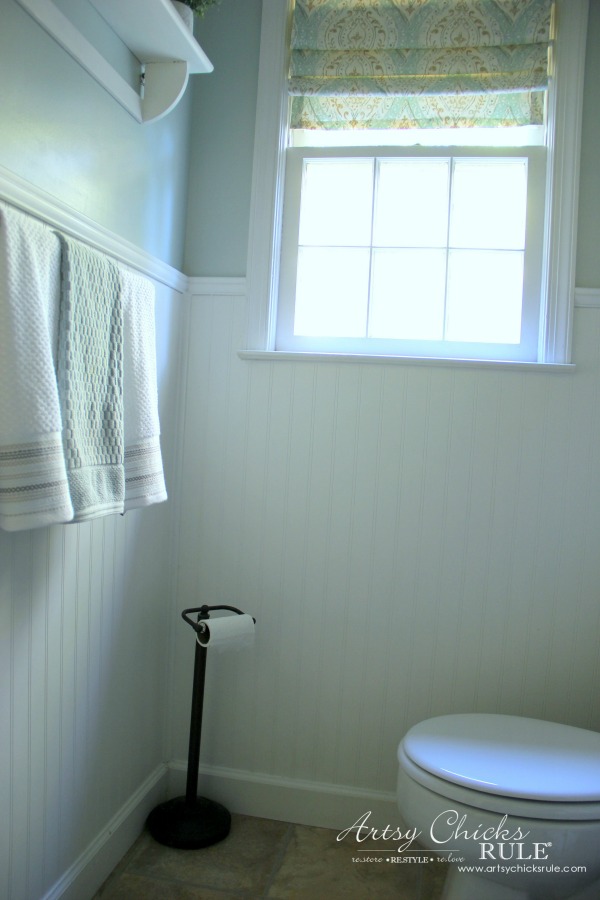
[
  {"x": 524, "y": 351},
  {"x": 562, "y": 187}
]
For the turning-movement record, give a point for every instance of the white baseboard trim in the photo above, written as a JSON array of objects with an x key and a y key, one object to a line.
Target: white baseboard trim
[
  {"x": 288, "y": 800},
  {"x": 246, "y": 793},
  {"x": 92, "y": 868}
]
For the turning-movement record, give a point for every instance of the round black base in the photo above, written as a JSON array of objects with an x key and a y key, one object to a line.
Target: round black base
[{"x": 189, "y": 826}]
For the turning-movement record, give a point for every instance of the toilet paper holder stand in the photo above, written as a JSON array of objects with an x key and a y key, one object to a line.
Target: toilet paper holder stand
[
  {"x": 192, "y": 822},
  {"x": 204, "y": 614}
]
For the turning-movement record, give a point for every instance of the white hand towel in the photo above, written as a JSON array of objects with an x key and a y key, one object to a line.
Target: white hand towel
[
  {"x": 144, "y": 477},
  {"x": 90, "y": 380},
  {"x": 33, "y": 483}
]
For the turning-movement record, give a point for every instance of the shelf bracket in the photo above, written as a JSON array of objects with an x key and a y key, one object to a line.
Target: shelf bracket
[{"x": 163, "y": 85}]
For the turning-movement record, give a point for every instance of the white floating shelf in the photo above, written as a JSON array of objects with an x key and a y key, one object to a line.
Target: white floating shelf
[{"x": 154, "y": 33}]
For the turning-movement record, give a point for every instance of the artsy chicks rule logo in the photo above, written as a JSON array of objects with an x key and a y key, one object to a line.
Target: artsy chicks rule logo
[{"x": 450, "y": 828}]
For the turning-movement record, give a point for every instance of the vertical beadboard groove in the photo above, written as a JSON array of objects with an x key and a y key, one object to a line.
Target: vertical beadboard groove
[
  {"x": 297, "y": 748},
  {"x": 368, "y": 710},
  {"x": 497, "y": 627},
  {"x": 513, "y": 609},
  {"x": 280, "y": 698},
  {"x": 326, "y": 621},
  {"x": 224, "y": 398},
  {"x": 35, "y": 734},
  {"x": 182, "y": 350},
  {"x": 584, "y": 500},
  {"x": 29, "y": 706},
  {"x": 383, "y": 554},
  {"x": 12, "y": 732},
  {"x": 6, "y": 567},
  {"x": 530, "y": 617},
  {"x": 461, "y": 423},
  {"x": 421, "y": 693},
  {"x": 284, "y": 626},
  {"x": 341, "y": 606},
  {"x": 47, "y": 681},
  {"x": 479, "y": 658}
]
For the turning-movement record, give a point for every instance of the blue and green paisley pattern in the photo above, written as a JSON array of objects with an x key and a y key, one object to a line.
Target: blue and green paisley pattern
[{"x": 419, "y": 63}]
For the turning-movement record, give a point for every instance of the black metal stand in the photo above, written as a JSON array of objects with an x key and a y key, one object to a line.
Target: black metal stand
[{"x": 192, "y": 822}]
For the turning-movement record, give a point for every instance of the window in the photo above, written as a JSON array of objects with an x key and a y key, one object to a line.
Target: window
[
  {"x": 412, "y": 255},
  {"x": 421, "y": 251}
]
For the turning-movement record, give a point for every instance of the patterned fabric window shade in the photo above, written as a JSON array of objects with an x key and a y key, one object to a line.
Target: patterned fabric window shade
[{"x": 419, "y": 63}]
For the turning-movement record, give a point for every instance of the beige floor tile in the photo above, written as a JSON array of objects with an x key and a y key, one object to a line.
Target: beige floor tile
[
  {"x": 243, "y": 862},
  {"x": 136, "y": 887},
  {"x": 276, "y": 860},
  {"x": 318, "y": 867}
]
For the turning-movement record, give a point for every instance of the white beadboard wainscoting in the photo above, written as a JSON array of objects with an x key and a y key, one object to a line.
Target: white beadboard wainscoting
[
  {"x": 412, "y": 540},
  {"x": 84, "y": 619}
]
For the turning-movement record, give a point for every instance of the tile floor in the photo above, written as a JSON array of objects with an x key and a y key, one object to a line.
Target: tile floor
[{"x": 262, "y": 858}]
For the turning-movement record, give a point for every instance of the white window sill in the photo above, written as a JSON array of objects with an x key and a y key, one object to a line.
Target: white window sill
[{"x": 289, "y": 356}]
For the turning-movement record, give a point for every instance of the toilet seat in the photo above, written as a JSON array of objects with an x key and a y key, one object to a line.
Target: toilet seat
[{"x": 539, "y": 769}]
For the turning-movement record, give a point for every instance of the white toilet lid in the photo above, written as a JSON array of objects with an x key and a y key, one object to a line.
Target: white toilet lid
[{"x": 509, "y": 755}]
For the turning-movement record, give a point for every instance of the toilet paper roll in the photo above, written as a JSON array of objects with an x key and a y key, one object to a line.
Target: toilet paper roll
[{"x": 227, "y": 632}]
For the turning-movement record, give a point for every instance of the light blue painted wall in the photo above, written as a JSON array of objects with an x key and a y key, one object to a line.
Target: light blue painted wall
[
  {"x": 223, "y": 113},
  {"x": 60, "y": 130},
  {"x": 223, "y": 134},
  {"x": 588, "y": 244}
]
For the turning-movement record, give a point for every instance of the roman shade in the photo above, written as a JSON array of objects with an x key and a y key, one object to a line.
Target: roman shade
[{"x": 419, "y": 63}]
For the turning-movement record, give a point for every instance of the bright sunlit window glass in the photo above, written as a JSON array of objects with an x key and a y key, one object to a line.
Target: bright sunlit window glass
[
  {"x": 407, "y": 294},
  {"x": 412, "y": 249},
  {"x": 483, "y": 300},
  {"x": 331, "y": 291},
  {"x": 337, "y": 200},
  {"x": 489, "y": 203},
  {"x": 411, "y": 205}
]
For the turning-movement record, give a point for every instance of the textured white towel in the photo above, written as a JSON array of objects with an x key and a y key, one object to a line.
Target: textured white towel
[
  {"x": 144, "y": 478},
  {"x": 90, "y": 380},
  {"x": 79, "y": 426},
  {"x": 33, "y": 483}
]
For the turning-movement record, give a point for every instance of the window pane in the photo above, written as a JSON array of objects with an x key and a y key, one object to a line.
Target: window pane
[
  {"x": 337, "y": 199},
  {"x": 407, "y": 294},
  {"x": 411, "y": 207},
  {"x": 484, "y": 296},
  {"x": 489, "y": 204},
  {"x": 331, "y": 292}
]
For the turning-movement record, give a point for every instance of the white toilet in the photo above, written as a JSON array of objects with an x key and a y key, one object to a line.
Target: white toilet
[{"x": 516, "y": 799}]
